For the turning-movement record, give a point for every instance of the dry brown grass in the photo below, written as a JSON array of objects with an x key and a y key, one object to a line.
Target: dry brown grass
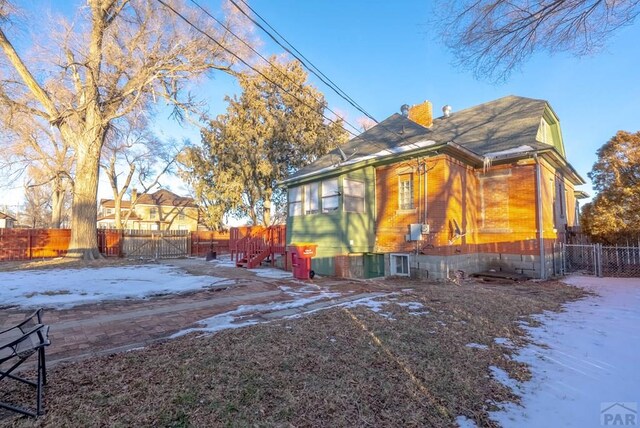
[{"x": 338, "y": 367}]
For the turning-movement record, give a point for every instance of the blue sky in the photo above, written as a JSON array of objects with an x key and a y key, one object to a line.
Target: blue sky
[{"x": 385, "y": 54}]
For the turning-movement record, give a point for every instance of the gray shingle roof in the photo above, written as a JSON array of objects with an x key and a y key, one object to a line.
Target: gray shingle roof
[
  {"x": 391, "y": 132},
  {"x": 498, "y": 125},
  {"x": 506, "y": 123}
]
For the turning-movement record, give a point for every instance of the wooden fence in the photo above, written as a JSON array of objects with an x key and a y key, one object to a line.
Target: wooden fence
[
  {"x": 156, "y": 244},
  {"x": 27, "y": 244},
  {"x": 203, "y": 241}
]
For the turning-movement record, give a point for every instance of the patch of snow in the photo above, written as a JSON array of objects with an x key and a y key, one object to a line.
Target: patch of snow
[
  {"x": 372, "y": 304},
  {"x": 465, "y": 422},
  {"x": 215, "y": 323},
  {"x": 503, "y": 341},
  {"x": 591, "y": 359},
  {"x": 503, "y": 377},
  {"x": 476, "y": 345},
  {"x": 64, "y": 288},
  {"x": 412, "y": 306},
  {"x": 419, "y": 313},
  {"x": 519, "y": 149},
  {"x": 272, "y": 273},
  {"x": 248, "y": 314},
  {"x": 223, "y": 262}
]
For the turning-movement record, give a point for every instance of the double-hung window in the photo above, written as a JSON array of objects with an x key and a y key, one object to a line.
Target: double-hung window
[
  {"x": 311, "y": 198},
  {"x": 405, "y": 192},
  {"x": 353, "y": 196},
  {"x": 295, "y": 201},
  {"x": 330, "y": 195}
]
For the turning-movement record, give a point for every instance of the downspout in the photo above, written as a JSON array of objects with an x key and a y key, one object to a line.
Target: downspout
[{"x": 543, "y": 267}]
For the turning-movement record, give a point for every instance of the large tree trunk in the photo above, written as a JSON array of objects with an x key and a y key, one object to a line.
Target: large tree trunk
[
  {"x": 118, "y": 207},
  {"x": 57, "y": 203},
  {"x": 84, "y": 240}
]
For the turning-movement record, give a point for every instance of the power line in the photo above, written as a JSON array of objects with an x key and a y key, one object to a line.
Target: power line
[
  {"x": 300, "y": 57},
  {"x": 265, "y": 59},
  {"x": 207, "y": 35},
  {"x": 311, "y": 67}
]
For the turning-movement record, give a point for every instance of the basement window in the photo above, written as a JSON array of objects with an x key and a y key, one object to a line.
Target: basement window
[
  {"x": 330, "y": 195},
  {"x": 399, "y": 264},
  {"x": 353, "y": 196},
  {"x": 295, "y": 201}
]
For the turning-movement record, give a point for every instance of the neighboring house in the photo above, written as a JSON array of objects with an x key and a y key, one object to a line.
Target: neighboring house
[
  {"x": 6, "y": 221},
  {"x": 488, "y": 187},
  {"x": 162, "y": 210}
]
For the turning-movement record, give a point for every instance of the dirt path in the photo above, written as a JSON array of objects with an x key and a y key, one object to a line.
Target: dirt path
[{"x": 115, "y": 326}]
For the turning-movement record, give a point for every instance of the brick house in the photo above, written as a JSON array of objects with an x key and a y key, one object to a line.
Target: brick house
[
  {"x": 162, "y": 210},
  {"x": 488, "y": 187}
]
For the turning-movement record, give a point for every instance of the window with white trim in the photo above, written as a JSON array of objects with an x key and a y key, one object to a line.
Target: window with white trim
[
  {"x": 405, "y": 192},
  {"x": 153, "y": 213},
  {"x": 295, "y": 201},
  {"x": 330, "y": 195},
  {"x": 353, "y": 196},
  {"x": 311, "y": 198},
  {"x": 399, "y": 264}
]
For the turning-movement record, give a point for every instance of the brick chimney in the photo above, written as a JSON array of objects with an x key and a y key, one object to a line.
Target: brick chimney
[
  {"x": 134, "y": 195},
  {"x": 422, "y": 114}
]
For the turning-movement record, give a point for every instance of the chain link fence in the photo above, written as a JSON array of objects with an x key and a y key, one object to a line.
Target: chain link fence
[{"x": 596, "y": 259}]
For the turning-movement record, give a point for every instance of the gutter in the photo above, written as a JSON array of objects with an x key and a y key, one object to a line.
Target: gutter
[{"x": 543, "y": 267}]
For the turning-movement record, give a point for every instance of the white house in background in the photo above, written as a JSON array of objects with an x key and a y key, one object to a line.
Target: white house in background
[
  {"x": 6, "y": 221},
  {"x": 162, "y": 210}
]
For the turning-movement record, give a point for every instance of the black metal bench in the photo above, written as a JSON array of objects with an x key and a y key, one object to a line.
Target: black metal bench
[{"x": 17, "y": 344}]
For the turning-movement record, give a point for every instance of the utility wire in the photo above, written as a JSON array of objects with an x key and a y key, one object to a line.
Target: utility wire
[
  {"x": 311, "y": 67},
  {"x": 207, "y": 35},
  {"x": 265, "y": 59},
  {"x": 300, "y": 57}
]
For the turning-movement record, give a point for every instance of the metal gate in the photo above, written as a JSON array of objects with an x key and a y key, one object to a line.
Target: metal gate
[
  {"x": 596, "y": 259},
  {"x": 156, "y": 244}
]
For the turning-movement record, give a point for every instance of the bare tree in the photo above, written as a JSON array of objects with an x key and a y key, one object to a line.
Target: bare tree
[
  {"x": 120, "y": 57},
  {"x": 37, "y": 205},
  {"x": 493, "y": 37},
  {"x": 40, "y": 150},
  {"x": 132, "y": 151}
]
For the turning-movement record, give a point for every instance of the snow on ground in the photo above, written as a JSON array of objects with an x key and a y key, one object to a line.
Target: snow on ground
[
  {"x": 591, "y": 363},
  {"x": 64, "y": 288},
  {"x": 273, "y": 273},
  {"x": 226, "y": 262},
  {"x": 465, "y": 422},
  {"x": 242, "y": 316},
  {"x": 476, "y": 346}
]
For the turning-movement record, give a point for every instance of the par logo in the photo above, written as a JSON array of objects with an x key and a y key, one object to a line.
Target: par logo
[{"x": 619, "y": 414}]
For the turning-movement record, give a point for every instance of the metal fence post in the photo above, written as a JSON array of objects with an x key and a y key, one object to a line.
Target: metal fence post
[{"x": 599, "y": 254}]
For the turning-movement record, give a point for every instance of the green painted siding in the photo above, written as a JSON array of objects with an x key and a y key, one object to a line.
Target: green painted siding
[{"x": 337, "y": 232}]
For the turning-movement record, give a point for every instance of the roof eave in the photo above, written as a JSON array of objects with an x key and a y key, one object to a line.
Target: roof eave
[{"x": 341, "y": 169}]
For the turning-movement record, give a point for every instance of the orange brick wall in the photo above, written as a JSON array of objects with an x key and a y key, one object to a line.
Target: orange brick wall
[{"x": 454, "y": 202}]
